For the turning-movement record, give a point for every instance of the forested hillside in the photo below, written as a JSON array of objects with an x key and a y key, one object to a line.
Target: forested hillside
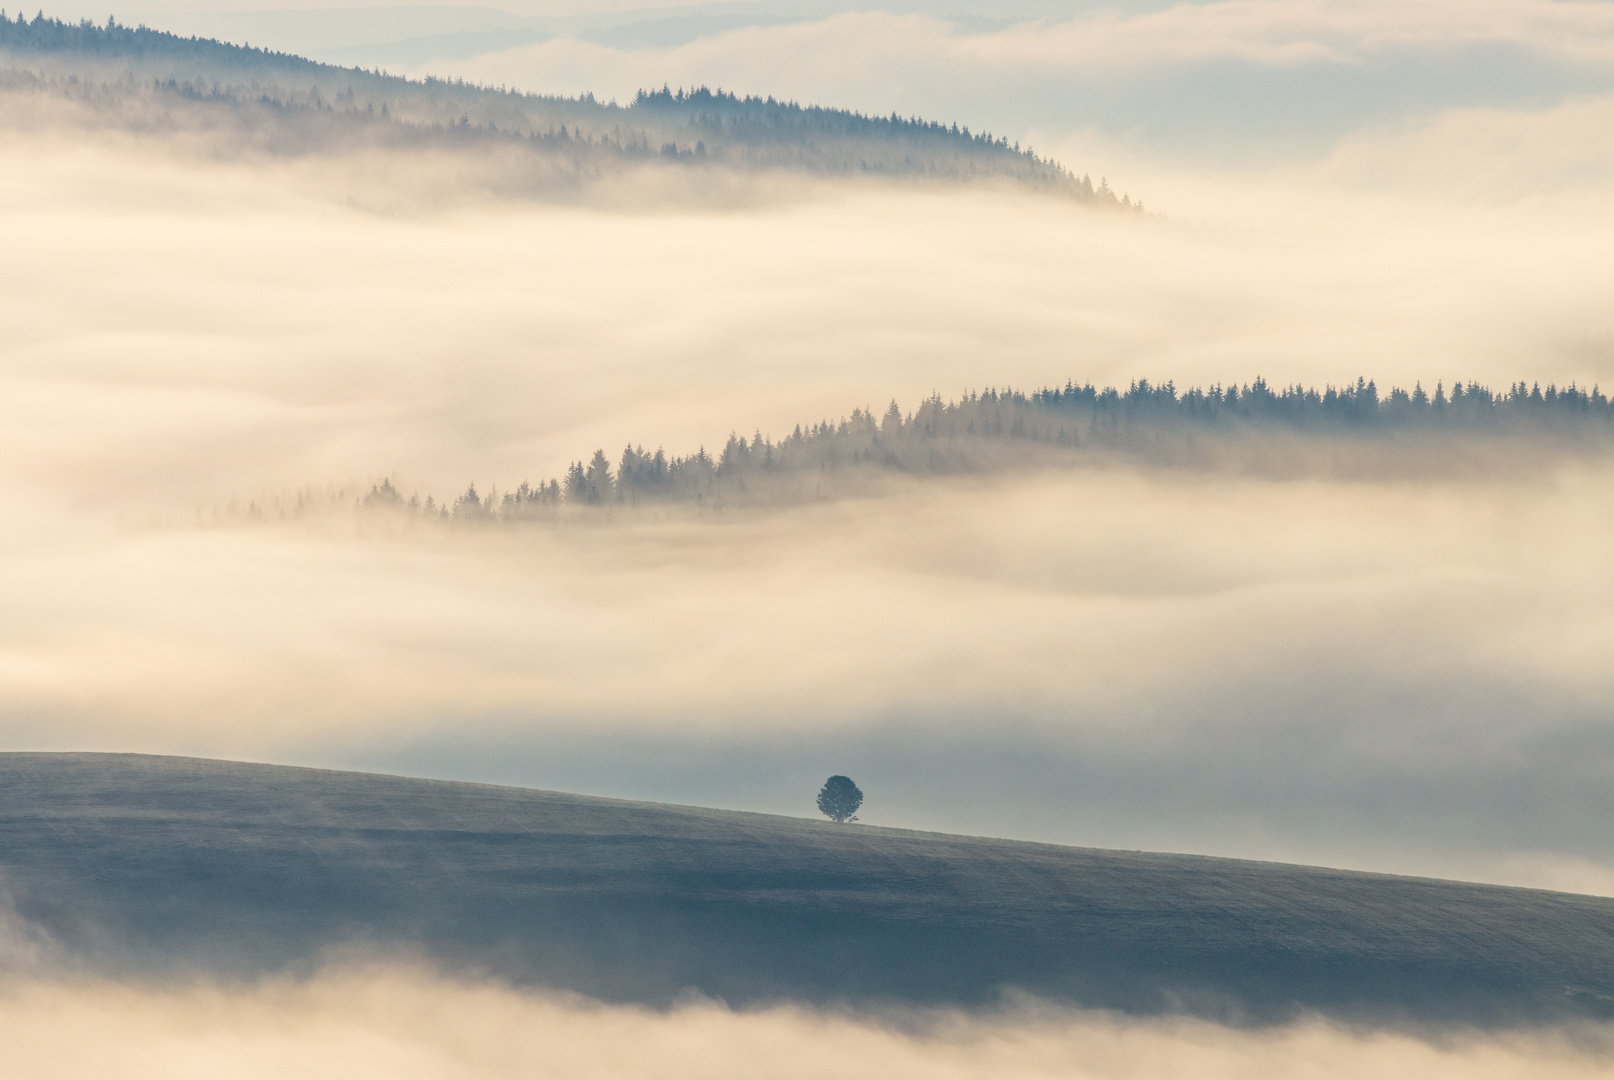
[
  {"x": 254, "y": 101},
  {"x": 1253, "y": 426}
]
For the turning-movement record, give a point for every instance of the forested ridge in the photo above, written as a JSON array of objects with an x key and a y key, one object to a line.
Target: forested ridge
[
  {"x": 273, "y": 102},
  {"x": 1149, "y": 423}
]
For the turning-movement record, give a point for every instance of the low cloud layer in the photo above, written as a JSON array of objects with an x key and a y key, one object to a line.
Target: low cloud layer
[
  {"x": 1401, "y": 676},
  {"x": 183, "y": 335},
  {"x": 1395, "y": 674},
  {"x": 409, "y": 1025}
]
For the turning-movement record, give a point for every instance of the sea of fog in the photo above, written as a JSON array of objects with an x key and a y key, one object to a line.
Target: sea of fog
[
  {"x": 204, "y": 360},
  {"x": 1398, "y": 674}
]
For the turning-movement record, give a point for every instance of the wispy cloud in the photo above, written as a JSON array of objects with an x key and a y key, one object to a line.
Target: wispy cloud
[{"x": 1289, "y": 76}]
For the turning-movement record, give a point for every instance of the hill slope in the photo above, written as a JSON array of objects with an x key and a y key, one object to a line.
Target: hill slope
[
  {"x": 135, "y": 864},
  {"x": 236, "y": 102},
  {"x": 1294, "y": 431}
]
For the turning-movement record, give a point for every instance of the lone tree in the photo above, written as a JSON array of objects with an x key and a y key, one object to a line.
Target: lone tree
[{"x": 840, "y": 799}]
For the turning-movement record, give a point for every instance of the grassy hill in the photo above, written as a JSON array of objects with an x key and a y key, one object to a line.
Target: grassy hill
[{"x": 168, "y": 866}]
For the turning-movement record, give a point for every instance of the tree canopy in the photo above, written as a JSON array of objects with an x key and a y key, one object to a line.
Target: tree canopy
[{"x": 840, "y": 799}]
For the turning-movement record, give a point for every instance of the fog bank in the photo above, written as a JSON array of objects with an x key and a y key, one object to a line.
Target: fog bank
[
  {"x": 407, "y": 1024},
  {"x": 177, "y": 336},
  {"x": 1404, "y": 675},
  {"x": 1399, "y": 676}
]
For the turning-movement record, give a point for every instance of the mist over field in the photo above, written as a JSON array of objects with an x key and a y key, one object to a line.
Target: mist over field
[
  {"x": 408, "y": 1023},
  {"x": 405, "y": 1022},
  {"x": 233, "y": 307}
]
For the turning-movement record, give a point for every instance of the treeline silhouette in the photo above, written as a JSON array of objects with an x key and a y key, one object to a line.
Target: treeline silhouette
[
  {"x": 995, "y": 429},
  {"x": 278, "y": 103}
]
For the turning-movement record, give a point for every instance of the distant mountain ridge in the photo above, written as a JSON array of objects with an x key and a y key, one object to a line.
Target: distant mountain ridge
[
  {"x": 163, "y": 866},
  {"x": 285, "y": 104}
]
